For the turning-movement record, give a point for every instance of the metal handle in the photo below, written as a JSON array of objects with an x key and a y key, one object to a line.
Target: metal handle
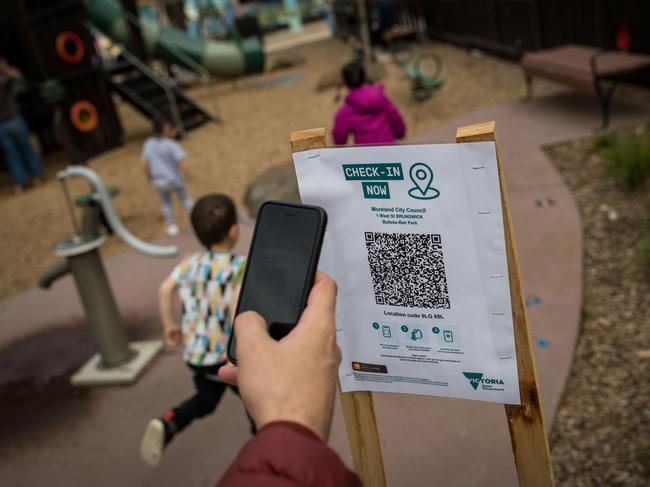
[{"x": 111, "y": 215}]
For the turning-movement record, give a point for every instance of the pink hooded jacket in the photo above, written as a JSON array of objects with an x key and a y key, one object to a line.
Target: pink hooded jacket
[{"x": 369, "y": 116}]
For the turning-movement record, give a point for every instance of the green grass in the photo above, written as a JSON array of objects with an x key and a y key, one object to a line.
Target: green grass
[{"x": 626, "y": 157}]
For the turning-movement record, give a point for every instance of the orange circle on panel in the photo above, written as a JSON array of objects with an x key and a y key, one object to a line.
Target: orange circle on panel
[
  {"x": 70, "y": 39},
  {"x": 83, "y": 116}
]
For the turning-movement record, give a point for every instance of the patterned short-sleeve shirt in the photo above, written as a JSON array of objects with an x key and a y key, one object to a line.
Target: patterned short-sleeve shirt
[{"x": 206, "y": 283}]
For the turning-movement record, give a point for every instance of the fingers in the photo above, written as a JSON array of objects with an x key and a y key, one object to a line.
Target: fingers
[
  {"x": 323, "y": 292},
  {"x": 228, "y": 374},
  {"x": 320, "y": 275},
  {"x": 251, "y": 333},
  {"x": 321, "y": 303},
  {"x": 173, "y": 338}
]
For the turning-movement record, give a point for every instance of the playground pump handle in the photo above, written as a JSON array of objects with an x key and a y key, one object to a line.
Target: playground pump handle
[{"x": 111, "y": 215}]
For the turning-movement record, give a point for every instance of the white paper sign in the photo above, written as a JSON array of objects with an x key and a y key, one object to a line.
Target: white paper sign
[{"x": 415, "y": 242}]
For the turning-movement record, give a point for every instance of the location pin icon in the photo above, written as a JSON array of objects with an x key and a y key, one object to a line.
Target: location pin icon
[{"x": 422, "y": 176}]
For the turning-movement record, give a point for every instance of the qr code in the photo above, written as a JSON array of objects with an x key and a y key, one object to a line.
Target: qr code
[{"x": 407, "y": 270}]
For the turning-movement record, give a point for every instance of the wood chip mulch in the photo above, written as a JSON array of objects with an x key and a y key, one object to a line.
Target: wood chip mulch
[{"x": 601, "y": 436}]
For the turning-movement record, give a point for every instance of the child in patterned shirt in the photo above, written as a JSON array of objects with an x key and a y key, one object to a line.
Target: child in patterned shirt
[{"x": 208, "y": 283}]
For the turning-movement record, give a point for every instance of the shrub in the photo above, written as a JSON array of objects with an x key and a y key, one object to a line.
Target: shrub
[
  {"x": 626, "y": 156},
  {"x": 604, "y": 142}
]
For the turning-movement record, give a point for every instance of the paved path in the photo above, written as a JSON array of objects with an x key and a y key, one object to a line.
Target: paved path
[{"x": 50, "y": 432}]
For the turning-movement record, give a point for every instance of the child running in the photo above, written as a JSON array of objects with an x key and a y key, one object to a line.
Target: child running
[
  {"x": 368, "y": 114},
  {"x": 208, "y": 283},
  {"x": 164, "y": 160}
]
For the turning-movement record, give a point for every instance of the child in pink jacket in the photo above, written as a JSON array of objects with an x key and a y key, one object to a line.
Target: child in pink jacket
[{"x": 367, "y": 114}]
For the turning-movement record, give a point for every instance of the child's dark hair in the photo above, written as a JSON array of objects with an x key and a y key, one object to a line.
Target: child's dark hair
[
  {"x": 212, "y": 217},
  {"x": 353, "y": 74},
  {"x": 159, "y": 123}
]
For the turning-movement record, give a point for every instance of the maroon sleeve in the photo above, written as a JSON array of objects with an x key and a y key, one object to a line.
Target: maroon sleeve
[{"x": 286, "y": 454}]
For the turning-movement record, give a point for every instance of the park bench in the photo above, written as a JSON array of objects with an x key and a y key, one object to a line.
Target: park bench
[{"x": 587, "y": 69}]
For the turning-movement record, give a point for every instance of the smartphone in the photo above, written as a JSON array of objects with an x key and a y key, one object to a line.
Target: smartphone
[{"x": 281, "y": 266}]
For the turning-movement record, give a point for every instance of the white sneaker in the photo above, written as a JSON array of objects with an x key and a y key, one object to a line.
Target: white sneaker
[
  {"x": 171, "y": 230},
  {"x": 153, "y": 443}
]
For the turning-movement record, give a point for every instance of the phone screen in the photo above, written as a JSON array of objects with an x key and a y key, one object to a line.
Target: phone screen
[{"x": 281, "y": 265}]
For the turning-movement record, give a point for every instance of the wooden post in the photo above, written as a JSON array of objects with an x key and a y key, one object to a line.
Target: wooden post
[
  {"x": 525, "y": 422},
  {"x": 364, "y": 33},
  {"x": 358, "y": 409}
]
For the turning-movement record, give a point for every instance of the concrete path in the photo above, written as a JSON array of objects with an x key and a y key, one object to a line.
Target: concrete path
[{"x": 48, "y": 431}]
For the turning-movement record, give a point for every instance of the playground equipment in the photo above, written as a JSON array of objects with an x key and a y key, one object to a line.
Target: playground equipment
[
  {"x": 151, "y": 93},
  {"x": 117, "y": 361},
  {"x": 66, "y": 99},
  {"x": 369, "y": 24},
  {"x": 172, "y": 45},
  {"x": 51, "y": 43},
  {"x": 423, "y": 69}
]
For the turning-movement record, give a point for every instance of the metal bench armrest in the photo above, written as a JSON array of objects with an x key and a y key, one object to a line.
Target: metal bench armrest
[{"x": 593, "y": 62}]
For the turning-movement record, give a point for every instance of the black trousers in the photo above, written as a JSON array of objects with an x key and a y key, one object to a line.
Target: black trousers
[{"x": 208, "y": 394}]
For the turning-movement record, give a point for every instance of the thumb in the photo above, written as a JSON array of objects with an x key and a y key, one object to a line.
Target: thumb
[
  {"x": 228, "y": 374},
  {"x": 251, "y": 333}
]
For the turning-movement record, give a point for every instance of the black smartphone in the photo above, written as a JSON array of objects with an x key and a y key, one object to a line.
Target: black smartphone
[{"x": 281, "y": 266}]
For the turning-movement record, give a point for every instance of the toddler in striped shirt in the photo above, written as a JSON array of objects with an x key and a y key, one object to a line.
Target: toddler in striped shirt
[{"x": 164, "y": 160}]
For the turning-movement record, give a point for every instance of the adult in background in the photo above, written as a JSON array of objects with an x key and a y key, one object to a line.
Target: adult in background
[
  {"x": 289, "y": 387},
  {"x": 21, "y": 159}
]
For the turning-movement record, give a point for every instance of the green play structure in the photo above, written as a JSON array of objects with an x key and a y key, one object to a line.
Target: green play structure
[
  {"x": 422, "y": 69},
  {"x": 226, "y": 59}
]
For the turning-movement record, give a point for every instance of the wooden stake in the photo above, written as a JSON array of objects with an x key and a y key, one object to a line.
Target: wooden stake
[
  {"x": 525, "y": 422},
  {"x": 358, "y": 408}
]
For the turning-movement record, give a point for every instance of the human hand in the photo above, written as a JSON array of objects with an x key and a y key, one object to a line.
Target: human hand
[
  {"x": 173, "y": 335},
  {"x": 293, "y": 379}
]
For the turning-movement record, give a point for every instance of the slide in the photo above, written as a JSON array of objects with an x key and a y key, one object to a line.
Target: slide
[{"x": 228, "y": 59}]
